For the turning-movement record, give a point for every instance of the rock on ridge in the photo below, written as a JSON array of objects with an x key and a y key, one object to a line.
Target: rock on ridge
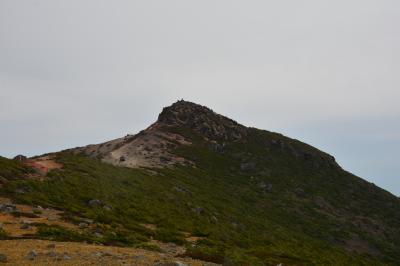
[
  {"x": 202, "y": 120},
  {"x": 148, "y": 148},
  {"x": 152, "y": 147}
]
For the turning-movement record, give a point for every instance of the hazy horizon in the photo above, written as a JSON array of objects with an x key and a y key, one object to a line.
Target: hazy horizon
[{"x": 74, "y": 73}]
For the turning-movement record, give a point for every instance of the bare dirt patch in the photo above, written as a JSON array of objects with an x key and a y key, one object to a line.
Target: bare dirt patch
[
  {"x": 68, "y": 253},
  {"x": 43, "y": 164},
  {"x": 149, "y": 148},
  {"x": 19, "y": 224},
  {"x": 152, "y": 227},
  {"x": 26, "y": 251}
]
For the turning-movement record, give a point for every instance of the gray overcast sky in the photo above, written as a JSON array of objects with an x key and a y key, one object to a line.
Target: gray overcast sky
[{"x": 74, "y": 72}]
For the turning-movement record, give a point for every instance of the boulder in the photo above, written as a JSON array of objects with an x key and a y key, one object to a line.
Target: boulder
[
  {"x": 98, "y": 235},
  {"x": 107, "y": 207},
  {"x": 95, "y": 203},
  {"x": 52, "y": 254},
  {"x": 3, "y": 258},
  {"x": 66, "y": 256},
  {"x": 83, "y": 225},
  {"x": 31, "y": 255},
  {"x": 7, "y": 207},
  {"x": 170, "y": 263},
  {"x": 20, "y": 158},
  {"x": 198, "y": 210},
  {"x": 248, "y": 166},
  {"x": 266, "y": 187}
]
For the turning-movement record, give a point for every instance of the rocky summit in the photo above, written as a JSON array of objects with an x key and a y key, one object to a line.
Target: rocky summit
[
  {"x": 194, "y": 188},
  {"x": 202, "y": 120},
  {"x": 150, "y": 147}
]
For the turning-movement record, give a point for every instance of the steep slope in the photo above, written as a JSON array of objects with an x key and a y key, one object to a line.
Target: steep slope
[
  {"x": 152, "y": 147},
  {"x": 227, "y": 193}
]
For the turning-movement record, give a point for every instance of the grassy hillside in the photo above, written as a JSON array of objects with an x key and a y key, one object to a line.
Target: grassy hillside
[{"x": 262, "y": 200}]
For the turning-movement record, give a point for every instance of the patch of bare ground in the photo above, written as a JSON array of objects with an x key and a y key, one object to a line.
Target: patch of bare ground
[
  {"x": 42, "y": 252},
  {"x": 26, "y": 251},
  {"x": 149, "y": 148},
  {"x": 43, "y": 164},
  {"x": 20, "y": 222},
  {"x": 152, "y": 227},
  {"x": 192, "y": 239}
]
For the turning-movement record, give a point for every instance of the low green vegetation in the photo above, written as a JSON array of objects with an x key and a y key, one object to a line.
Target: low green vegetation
[
  {"x": 3, "y": 234},
  {"x": 10, "y": 169},
  {"x": 264, "y": 200},
  {"x": 58, "y": 233}
]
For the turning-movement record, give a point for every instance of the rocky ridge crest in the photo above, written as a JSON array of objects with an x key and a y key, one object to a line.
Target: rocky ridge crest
[
  {"x": 202, "y": 120},
  {"x": 151, "y": 147}
]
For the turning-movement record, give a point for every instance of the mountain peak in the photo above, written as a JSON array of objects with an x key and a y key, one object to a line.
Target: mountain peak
[
  {"x": 203, "y": 176},
  {"x": 152, "y": 147},
  {"x": 201, "y": 119},
  {"x": 182, "y": 112}
]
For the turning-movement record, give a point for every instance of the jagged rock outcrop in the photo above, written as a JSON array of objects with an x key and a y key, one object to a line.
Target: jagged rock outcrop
[
  {"x": 20, "y": 158},
  {"x": 202, "y": 120},
  {"x": 151, "y": 147}
]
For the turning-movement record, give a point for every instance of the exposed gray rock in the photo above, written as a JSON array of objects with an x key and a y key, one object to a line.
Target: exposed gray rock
[
  {"x": 108, "y": 254},
  {"x": 266, "y": 187},
  {"x": 198, "y": 210},
  {"x": 52, "y": 254},
  {"x": 178, "y": 263},
  {"x": 249, "y": 166},
  {"x": 107, "y": 207},
  {"x": 86, "y": 220},
  {"x": 31, "y": 255},
  {"x": 7, "y": 207},
  {"x": 214, "y": 219},
  {"x": 83, "y": 225},
  {"x": 66, "y": 257},
  {"x": 182, "y": 190},
  {"x": 95, "y": 203},
  {"x": 98, "y": 235},
  {"x": 20, "y": 158},
  {"x": 202, "y": 120},
  {"x": 96, "y": 254},
  {"x": 216, "y": 147},
  {"x": 170, "y": 263}
]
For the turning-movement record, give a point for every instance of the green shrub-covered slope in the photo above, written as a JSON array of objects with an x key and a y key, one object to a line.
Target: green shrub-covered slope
[{"x": 262, "y": 200}]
